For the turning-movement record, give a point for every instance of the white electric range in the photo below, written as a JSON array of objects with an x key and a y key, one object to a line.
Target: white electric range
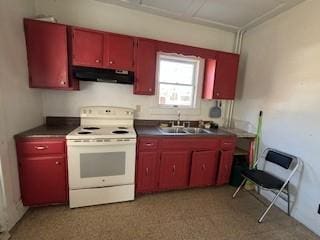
[{"x": 101, "y": 157}]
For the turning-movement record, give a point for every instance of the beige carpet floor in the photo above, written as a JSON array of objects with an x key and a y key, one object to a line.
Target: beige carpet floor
[{"x": 194, "y": 214}]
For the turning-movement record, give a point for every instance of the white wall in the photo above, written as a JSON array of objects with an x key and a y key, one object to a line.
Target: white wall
[
  {"x": 281, "y": 76},
  {"x": 20, "y": 107},
  {"x": 97, "y": 15}
]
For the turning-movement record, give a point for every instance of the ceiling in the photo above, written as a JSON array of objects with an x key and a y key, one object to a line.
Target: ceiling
[{"x": 230, "y": 15}]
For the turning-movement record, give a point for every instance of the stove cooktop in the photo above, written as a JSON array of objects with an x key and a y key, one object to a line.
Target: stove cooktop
[{"x": 93, "y": 132}]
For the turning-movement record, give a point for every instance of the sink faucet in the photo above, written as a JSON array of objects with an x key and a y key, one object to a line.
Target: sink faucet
[{"x": 178, "y": 121}]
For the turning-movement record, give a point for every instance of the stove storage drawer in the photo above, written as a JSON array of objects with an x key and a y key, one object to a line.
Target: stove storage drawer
[{"x": 42, "y": 146}]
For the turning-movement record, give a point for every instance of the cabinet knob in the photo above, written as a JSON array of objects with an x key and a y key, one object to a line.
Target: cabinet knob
[
  {"x": 147, "y": 171},
  {"x": 111, "y": 62},
  {"x": 97, "y": 60},
  {"x": 58, "y": 163},
  {"x": 150, "y": 89},
  {"x": 218, "y": 94},
  {"x": 63, "y": 83}
]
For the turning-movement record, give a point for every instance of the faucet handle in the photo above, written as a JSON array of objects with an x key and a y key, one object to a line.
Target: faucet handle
[{"x": 187, "y": 124}]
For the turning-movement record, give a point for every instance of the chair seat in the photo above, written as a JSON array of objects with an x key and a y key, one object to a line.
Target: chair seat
[{"x": 263, "y": 178}]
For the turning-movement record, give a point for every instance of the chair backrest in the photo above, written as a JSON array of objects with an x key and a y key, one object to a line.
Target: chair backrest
[{"x": 279, "y": 158}]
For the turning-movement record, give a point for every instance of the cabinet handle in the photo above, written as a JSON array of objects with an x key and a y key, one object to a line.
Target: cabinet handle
[
  {"x": 97, "y": 60},
  {"x": 203, "y": 167},
  {"x": 149, "y": 144},
  {"x": 218, "y": 94},
  {"x": 174, "y": 169},
  {"x": 147, "y": 171},
  {"x": 58, "y": 163},
  {"x": 41, "y": 147},
  {"x": 150, "y": 89}
]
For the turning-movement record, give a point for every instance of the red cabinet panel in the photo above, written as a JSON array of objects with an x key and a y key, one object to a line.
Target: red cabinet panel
[
  {"x": 40, "y": 147},
  {"x": 47, "y": 54},
  {"x": 87, "y": 47},
  {"x": 204, "y": 168},
  {"x": 145, "y": 74},
  {"x": 148, "y": 144},
  {"x": 221, "y": 76},
  {"x": 43, "y": 180},
  {"x": 147, "y": 171},
  {"x": 226, "y": 76},
  {"x": 42, "y": 170},
  {"x": 174, "y": 170},
  {"x": 118, "y": 52},
  {"x": 225, "y": 165}
]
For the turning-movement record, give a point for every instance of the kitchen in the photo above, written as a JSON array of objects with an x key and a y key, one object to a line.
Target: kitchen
[{"x": 26, "y": 108}]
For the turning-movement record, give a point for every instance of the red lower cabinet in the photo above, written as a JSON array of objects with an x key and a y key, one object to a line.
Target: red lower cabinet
[
  {"x": 43, "y": 180},
  {"x": 147, "y": 172},
  {"x": 167, "y": 163},
  {"x": 225, "y": 165},
  {"x": 174, "y": 170},
  {"x": 43, "y": 171},
  {"x": 204, "y": 168}
]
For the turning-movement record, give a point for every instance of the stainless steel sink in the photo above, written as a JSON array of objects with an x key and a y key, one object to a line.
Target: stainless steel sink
[
  {"x": 196, "y": 130},
  {"x": 183, "y": 131},
  {"x": 173, "y": 130}
]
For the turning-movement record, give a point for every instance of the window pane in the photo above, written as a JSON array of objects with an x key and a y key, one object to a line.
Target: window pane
[
  {"x": 176, "y": 72},
  {"x": 175, "y": 95}
]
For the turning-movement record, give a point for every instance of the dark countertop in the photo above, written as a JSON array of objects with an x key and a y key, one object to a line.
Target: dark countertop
[
  {"x": 153, "y": 131},
  {"x": 46, "y": 131}
]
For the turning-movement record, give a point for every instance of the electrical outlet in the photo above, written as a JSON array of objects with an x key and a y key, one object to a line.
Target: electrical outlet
[{"x": 319, "y": 209}]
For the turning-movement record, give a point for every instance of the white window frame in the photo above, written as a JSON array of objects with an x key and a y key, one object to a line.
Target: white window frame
[{"x": 195, "y": 82}]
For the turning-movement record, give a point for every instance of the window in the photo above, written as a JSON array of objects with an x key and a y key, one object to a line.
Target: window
[{"x": 177, "y": 81}]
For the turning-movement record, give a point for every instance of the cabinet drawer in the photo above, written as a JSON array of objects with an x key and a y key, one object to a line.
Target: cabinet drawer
[
  {"x": 228, "y": 144},
  {"x": 189, "y": 143},
  {"x": 42, "y": 147},
  {"x": 148, "y": 144}
]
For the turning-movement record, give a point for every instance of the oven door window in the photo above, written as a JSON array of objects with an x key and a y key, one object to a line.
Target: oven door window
[{"x": 102, "y": 164}]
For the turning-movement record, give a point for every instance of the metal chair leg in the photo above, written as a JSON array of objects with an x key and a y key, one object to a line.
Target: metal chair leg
[
  {"x": 269, "y": 207},
  {"x": 238, "y": 189},
  {"x": 289, "y": 211}
]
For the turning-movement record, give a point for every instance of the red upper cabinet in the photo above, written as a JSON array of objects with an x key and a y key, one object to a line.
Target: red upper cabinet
[
  {"x": 174, "y": 170},
  {"x": 221, "y": 76},
  {"x": 47, "y": 53},
  {"x": 145, "y": 70},
  {"x": 87, "y": 48},
  {"x": 204, "y": 168},
  {"x": 118, "y": 52}
]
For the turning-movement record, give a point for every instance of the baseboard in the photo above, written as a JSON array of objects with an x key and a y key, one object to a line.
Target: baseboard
[{"x": 15, "y": 214}]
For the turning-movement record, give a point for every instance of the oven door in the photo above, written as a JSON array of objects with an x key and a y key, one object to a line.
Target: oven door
[{"x": 100, "y": 163}]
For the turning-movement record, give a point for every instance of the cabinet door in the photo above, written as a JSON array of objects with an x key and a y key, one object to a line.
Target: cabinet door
[
  {"x": 226, "y": 74},
  {"x": 204, "y": 167},
  {"x": 47, "y": 54},
  {"x": 174, "y": 170},
  {"x": 225, "y": 165},
  {"x": 147, "y": 171},
  {"x": 118, "y": 52},
  {"x": 145, "y": 73},
  {"x": 43, "y": 180},
  {"x": 87, "y": 48}
]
